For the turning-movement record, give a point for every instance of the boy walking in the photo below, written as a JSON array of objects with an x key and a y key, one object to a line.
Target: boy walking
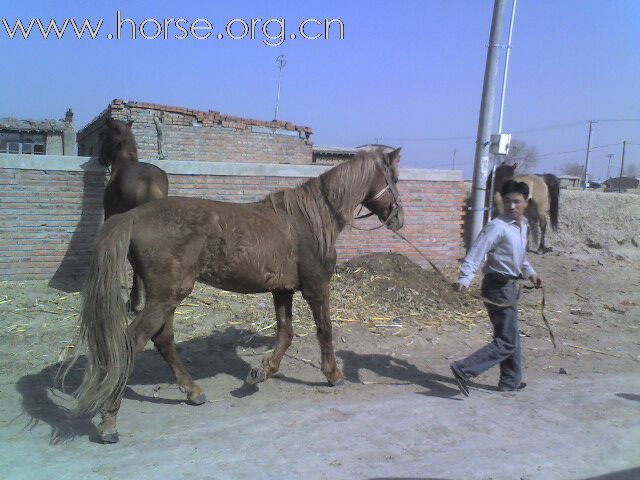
[{"x": 504, "y": 241}]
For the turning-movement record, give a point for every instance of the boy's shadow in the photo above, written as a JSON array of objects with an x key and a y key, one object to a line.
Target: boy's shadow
[
  {"x": 204, "y": 358},
  {"x": 397, "y": 369}
]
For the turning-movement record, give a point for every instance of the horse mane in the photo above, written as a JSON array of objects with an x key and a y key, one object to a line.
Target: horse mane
[
  {"x": 118, "y": 143},
  {"x": 326, "y": 202}
]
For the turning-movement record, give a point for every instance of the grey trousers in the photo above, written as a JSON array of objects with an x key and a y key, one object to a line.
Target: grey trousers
[{"x": 505, "y": 347}]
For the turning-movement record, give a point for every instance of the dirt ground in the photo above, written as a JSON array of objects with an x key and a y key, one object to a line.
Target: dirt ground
[{"x": 399, "y": 413}]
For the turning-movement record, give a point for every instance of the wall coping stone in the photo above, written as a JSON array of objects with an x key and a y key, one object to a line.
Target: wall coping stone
[{"x": 83, "y": 164}]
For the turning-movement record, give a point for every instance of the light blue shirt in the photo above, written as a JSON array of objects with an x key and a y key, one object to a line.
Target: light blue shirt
[{"x": 505, "y": 244}]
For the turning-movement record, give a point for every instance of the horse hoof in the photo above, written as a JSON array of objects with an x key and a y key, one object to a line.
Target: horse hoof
[
  {"x": 335, "y": 379},
  {"x": 198, "y": 399},
  {"x": 111, "y": 437},
  {"x": 256, "y": 375},
  {"x": 336, "y": 383}
]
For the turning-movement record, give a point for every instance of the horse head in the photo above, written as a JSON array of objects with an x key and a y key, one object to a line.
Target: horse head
[
  {"x": 383, "y": 198},
  {"x": 503, "y": 173},
  {"x": 118, "y": 143}
]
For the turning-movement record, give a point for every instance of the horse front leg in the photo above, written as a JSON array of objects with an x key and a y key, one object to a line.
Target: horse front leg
[
  {"x": 284, "y": 317},
  {"x": 135, "y": 302},
  {"x": 318, "y": 300}
]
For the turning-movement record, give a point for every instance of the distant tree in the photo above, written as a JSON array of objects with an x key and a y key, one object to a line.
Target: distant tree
[
  {"x": 573, "y": 169},
  {"x": 525, "y": 156},
  {"x": 631, "y": 170}
]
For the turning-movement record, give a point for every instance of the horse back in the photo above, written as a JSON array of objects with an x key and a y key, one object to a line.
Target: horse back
[
  {"x": 133, "y": 185},
  {"x": 538, "y": 191}
]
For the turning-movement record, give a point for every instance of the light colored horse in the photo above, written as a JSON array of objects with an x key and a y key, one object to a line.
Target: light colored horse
[{"x": 544, "y": 197}]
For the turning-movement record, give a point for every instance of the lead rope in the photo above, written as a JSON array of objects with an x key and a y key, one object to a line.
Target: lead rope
[
  {"x": 484, "y": 299},
  {"x": 386, "y": 222}
]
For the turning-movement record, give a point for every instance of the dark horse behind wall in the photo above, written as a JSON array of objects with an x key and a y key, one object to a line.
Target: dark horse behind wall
[
  {"x": 131, "y": 183},
  {"x": 544, "y": 197},
  {"x": 282, "y": 244}
]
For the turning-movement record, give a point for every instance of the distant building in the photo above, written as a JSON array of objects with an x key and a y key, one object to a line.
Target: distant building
[
  {"x": 569, "y": 181},
  {"x": 622, "y": 183},
  {"x": 175, "y": 133},
  {"x": 38, "y": 137}
]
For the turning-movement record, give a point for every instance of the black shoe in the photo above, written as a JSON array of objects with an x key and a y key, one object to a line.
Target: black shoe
[
  {"x": 504, "y": 388},
  {"x": 460, "y": 379}
]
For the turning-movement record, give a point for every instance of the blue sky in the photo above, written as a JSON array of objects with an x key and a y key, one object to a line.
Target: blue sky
[{"x": 407, "y": 73}]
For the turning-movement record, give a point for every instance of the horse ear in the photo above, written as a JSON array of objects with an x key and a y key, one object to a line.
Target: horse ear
[
  {"x": 394, "y": 157},
  {"x": 515, "y": 165}
]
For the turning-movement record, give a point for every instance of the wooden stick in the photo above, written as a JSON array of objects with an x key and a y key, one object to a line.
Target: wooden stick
[
  {"x": 601, "y": 352},
  {"x": 581, "y": 296}
]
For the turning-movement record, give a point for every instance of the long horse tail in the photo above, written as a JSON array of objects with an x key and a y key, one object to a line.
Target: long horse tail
[
  {"x": 103, "y": 319},
  {"x": 553, "y": 184}
]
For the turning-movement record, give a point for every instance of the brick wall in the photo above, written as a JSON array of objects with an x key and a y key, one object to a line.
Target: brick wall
[
  {"x": 48, "y": 220},
  {"x": 196, "y": 135},
  {"x": 49, "y": 217}
]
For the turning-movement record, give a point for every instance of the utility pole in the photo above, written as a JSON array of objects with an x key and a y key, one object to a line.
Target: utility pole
[
  {"x": 624, "y": 147},
  {"x": 503, "y": 95},
  {"x": 609, "y": 156},
  {"x": 483, "y": 140},
  {"x": 281, "y": 61},
  {"x": 453, "y": 162},
  {"x": 585, "y": 170},
  {"x": 506, "y": 66}
]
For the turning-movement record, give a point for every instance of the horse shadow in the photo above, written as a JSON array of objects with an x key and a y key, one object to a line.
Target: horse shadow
[
  {"x": 44, "y": 395},
  {"x": 69, "y": 276},
  {"x": 435, "y": 385},
  {"x": 629, "y": 396}
]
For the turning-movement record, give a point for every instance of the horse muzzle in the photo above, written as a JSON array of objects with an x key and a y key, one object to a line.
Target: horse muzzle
[{"x": 396, "y": 220}]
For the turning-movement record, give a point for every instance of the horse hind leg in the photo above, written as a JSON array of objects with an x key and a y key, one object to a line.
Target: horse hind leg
[
  {"x": 533, "y": 234},
  {"x": 165, "y": 343},
  {"x": 146, "y": 323},
  {"x": 318, "y": 300},
  {"x": 107, "y": 430},
  {"x": 165, "y": 294},
  {"x": 543, "y": 232},
  {"x": 284, "y": 317},
  {"x": 154, "y": 322}
]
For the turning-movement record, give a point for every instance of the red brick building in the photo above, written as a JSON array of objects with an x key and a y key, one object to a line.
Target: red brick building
[{"x": 174, "y": 133}]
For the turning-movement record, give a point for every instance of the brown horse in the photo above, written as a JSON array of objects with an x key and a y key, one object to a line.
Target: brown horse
[
  {"x": 544, "y": 197},
  {"x": 282, "y": 244},
  {"x": 131, "y": 183}
]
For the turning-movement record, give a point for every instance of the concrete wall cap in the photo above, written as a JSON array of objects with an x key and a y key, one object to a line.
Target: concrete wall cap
[{"x": 176, "y": 167}]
